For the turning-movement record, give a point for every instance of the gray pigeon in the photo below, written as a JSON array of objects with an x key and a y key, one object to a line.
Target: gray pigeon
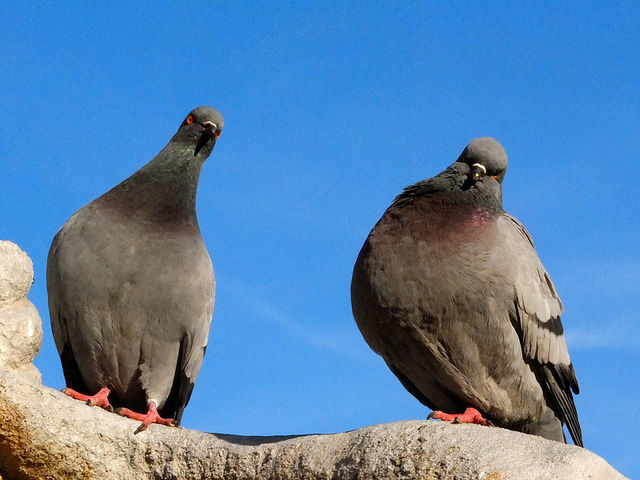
[
  {"x": 131, "y": 286},
  {"x": 449, "y": 290}
]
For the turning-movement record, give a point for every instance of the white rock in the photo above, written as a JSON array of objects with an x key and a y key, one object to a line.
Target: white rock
[
  {"x": 45, "y": 434},
  {"x": 20, "y": 324},
  {"x": 16, "y": 272},
  {"x": 20, "y": 333}
]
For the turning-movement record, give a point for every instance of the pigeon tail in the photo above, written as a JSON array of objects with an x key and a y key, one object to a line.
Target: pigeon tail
[{"x": 549, "y": 426}]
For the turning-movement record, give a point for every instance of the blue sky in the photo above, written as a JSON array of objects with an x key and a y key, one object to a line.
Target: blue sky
[{"x": 330, "y": 110}]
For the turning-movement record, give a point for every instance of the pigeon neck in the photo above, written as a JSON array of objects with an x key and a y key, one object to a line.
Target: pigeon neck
[
  {"x": 444, "y": 195},
  {"x": 164, "y": 189}
]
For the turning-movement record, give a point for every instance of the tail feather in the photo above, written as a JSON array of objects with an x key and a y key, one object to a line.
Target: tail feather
[{"x": 547, "y": 426}]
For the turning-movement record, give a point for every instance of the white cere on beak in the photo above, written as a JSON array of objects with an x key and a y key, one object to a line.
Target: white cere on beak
[
  {"x": 209, "y": 122},
  {"x": 481, "y": 167}
]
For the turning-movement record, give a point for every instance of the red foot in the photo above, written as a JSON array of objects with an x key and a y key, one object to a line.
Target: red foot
[
  {"x": 470, "y": 415},
  {"x": 100, "y": 399},
  {"x": 147, "y": 419}
]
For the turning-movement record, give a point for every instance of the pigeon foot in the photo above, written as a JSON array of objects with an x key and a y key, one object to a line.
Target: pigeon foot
[
  {"x": 470, "y": 415},
  {"x": 100, "y": 399},
  {"x": 152, "y": 416}
]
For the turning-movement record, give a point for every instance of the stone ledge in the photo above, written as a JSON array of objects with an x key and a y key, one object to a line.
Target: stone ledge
[{"x": 46, "y": 435}]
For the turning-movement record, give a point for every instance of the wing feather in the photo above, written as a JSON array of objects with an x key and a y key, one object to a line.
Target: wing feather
[{"x": 536, "y": 315}]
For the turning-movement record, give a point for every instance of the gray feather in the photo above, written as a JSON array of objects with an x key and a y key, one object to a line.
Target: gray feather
[
  {"x": 450, "y": 291},
  {"x": 131, "y": 285}
]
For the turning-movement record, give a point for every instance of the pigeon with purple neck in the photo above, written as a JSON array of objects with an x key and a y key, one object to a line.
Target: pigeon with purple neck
[{"x": 449, "y": 290}]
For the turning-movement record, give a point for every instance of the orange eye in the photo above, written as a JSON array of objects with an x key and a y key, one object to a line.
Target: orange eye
[{"x": 190, "y": 119}]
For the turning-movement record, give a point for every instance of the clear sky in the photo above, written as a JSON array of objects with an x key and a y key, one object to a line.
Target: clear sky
[{"x": 331, "y": 108}]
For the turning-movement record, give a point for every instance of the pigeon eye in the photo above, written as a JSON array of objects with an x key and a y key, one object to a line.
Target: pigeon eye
[{"x": 190, "y": 119}]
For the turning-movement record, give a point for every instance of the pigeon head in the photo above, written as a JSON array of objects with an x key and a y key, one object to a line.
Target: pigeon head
[
  {"x": 202, "y": 126},
  {"x": 206, "y": 117},
  {"x": 166, "y": 187},
  {"x": 485, "y": 158}
]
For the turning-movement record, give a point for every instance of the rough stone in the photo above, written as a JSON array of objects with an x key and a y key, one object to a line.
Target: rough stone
[
  {"x": 16, "y": 272},
  {"x": 20, "y": 324},
  {"x": 20, "y": 334},
  {"x": 46, "y": 435}
]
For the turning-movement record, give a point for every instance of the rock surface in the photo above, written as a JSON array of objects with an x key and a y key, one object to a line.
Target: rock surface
[
  {"x": 16, "y": 272},
  {"x": 46, "y": 435},
  {"x": 20, "y": 324}
]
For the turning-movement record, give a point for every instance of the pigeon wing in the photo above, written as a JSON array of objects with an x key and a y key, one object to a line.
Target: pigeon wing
[
  {"x": 59, "y": 317},
  {"x": 536, "y": 316},
  {"x": 190, "y": 357}
]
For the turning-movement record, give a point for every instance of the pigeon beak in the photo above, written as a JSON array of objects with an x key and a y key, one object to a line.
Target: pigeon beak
[
  {"x": 210, "y": 134},
  {"x": 212, "y": 128},
  {"x": 478, "y": 170}
]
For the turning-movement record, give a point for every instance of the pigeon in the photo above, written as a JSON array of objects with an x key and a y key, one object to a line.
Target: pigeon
[
  {"x": 449, "y": 290},
  {"x": 131, "y": 286}
]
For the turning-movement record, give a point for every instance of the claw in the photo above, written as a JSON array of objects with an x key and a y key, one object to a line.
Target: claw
[
  {"x": 470, "y": 415},
  {"x": 100, "y": 399},
  {"x": 152, "y": 416}
]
